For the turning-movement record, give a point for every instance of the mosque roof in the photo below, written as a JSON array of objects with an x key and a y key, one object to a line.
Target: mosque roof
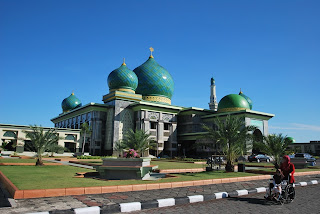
[
  {"x": 247, "y": 98},
  {"x": 154, "y": 80},
  {"x": 122, "y": 78},
  {"x": 291, "y": 139},
  {"x": 233, "y": 102},
  {"x": 70, "y": 103}
]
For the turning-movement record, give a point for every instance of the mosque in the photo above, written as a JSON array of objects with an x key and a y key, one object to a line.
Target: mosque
[{"x": 141, "y": 99}]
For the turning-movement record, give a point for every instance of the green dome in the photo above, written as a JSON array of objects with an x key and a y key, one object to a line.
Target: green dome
[
  {"x": 123, "y": 78},
  {"x": 291, "y": 139},
  {"x": 233, "y": 102},
  {"x": 70, "y": 103},
  {"x": 155, "y": 82},
  {"x": 247, "y": 98}
]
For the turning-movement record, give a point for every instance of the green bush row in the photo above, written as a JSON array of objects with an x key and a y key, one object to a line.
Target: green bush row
[
  {"x": 181, "y": 159},
  {"x": 193, "y": 159},
  {"x": 92, "y": 157}
]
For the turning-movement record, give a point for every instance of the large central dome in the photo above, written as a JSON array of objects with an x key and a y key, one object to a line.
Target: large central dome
[{"x": 154, "y": 82}]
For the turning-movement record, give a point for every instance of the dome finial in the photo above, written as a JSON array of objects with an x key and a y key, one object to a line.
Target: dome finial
[
  {"x": 151, "y": 50},
  {"x": 72, "y": 92},
  {"x": 124, "y": 61},
  {"x": 240, "y": 91}
]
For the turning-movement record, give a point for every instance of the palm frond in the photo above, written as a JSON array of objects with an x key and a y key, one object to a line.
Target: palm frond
[{"x": 138, "y": 140}]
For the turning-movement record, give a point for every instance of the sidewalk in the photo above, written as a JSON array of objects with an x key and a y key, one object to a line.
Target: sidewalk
[
  {"x": 66, "y": 162},
  {"x": 114, "y": 202}
]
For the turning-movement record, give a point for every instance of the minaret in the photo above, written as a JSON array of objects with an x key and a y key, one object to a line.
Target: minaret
[{"x": 213, "y": 105}]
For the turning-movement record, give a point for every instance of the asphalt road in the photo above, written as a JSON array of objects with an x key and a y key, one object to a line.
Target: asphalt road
[{"x": 306, "y": 201}]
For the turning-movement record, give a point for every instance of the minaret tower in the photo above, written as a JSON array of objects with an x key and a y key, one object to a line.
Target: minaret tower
[{"x": 213, "y": 105}]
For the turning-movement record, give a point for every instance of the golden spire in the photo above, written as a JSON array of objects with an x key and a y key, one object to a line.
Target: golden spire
[
  {"x": 151, "y": 50},
  {"x": 72, "y": 92},
  {"x": 124, "y": 61},
  {"x": 240, "y": 91}
]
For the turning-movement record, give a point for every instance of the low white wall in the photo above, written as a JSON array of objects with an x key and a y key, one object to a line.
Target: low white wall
[{"x": 33, "y": 154}]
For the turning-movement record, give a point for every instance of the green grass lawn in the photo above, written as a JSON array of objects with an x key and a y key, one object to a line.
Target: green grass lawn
[
  {"x": 297, "y": 170},
  {"x": 46, "y": 177},
  {"x": 258, "y": 164},
  {"x": 314, "y": 167},
  {"x": 13, "y": 160},
  {"x": 176, "y": 165},
  {"x": 307, "y": 169}
]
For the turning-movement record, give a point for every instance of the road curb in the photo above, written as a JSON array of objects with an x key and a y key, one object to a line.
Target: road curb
[
  {"x": 166, "y": 202},
  {"x": 200, "y": 198}
]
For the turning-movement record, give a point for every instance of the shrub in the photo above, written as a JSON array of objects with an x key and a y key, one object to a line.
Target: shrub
[
  {"x": 131, "y": 154},
  {"x": 88, "y": 157}
]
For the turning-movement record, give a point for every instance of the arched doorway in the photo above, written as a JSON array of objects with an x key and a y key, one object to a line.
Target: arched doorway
[{"x": 257, "y": 137}]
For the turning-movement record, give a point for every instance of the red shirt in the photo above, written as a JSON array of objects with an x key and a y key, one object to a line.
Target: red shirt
[{"x": 286, "y": 170}]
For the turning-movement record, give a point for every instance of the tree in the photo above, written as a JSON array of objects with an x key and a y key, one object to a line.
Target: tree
[
  {"x": 274, "y": 145},
  {"x": 137, "y": 140},
  {"x": 209, "y": 139},
  {"x": 41, "y": 140},
  {"x": 85, "y": 130},
  {"x": 55, "y": 148},
  {"x": 119, "y": 147},
  {"x": 232, "y": 136},
  {"x": 3, "y": 146}
]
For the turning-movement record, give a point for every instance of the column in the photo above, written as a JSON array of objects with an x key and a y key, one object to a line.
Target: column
[
  {"x": 21, "y": 136},
  {"x": 160, "y": 134},
  {"x": 173, "y": 137}
]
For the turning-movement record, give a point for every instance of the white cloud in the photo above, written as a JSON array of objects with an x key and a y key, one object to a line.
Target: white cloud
[
  {"x": 307, "y": 127},
  {"x": 297, "y": 126}
]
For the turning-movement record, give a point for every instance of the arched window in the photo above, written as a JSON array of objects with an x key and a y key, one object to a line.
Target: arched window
[
  {"x": 70, "y": 137},
  {"x": 10, "y": 134},
  {"x": 126, "y": 123}
]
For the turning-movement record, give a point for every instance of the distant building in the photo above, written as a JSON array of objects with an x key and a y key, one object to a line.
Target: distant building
[
  {"x": 15, "y": 137},
  {"x": 312, "y": 147},
  {"x": 141, "y": 99}
]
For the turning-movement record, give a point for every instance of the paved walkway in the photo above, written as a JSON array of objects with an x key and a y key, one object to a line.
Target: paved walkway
[
  {"x": 71, "y": 164},
  {"x": 110, "y": 202}
]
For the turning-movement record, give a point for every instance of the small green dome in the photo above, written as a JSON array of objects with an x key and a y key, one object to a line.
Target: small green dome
[
  {"x": 122, "y": 78},
  {"x": 154, "y": 81},
  {"x": 233, "y": 102},
  {"x": 247, "y": 98},
  {"x": 70, "y": 103},
  {"x": 291, "y": 139}
]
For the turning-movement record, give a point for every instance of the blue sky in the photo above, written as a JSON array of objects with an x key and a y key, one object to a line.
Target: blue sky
[{"x": 270, "y": 49}]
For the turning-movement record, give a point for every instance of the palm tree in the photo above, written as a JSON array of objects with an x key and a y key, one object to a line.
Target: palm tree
[
  {"x": 274, "y": 145},
  {"x": 85, "y": 130},
  {"x": 232, "y": 136},
  {"x": 41, "y": 140},
  {"x": 119, "y": 147},
  {"x": 3, "y": 146},
  {"x": 55, "y": 148},
  {"x": 137, "y": 140},
  {"x": 211, "y": 141}
]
